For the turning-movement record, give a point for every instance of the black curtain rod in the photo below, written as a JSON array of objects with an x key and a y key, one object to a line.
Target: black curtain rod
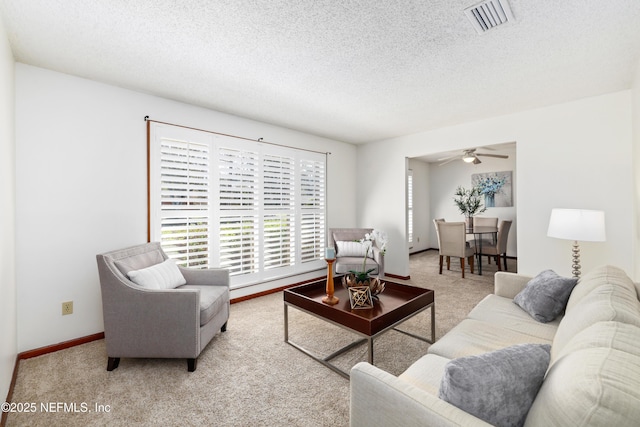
[{"x": 260, "y": 140}]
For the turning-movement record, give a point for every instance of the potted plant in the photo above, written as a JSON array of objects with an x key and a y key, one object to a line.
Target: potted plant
[
  {"x": 361, "y": 277},
  {"x": 469, "y": 202}
]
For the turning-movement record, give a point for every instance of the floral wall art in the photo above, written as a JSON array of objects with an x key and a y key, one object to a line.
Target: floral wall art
[{"x": 496, "y": 188}]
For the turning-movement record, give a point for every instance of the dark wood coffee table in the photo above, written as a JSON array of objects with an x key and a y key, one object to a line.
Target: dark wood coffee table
[{"x": 395, "y": 305}]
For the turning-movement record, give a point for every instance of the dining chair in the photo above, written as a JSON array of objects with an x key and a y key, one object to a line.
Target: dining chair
[
  {"x": 436, "y": 220},
  {"x": 499, "y": 249},
  {"x": 452, "y": 242},
  {"x": 485, "y": 221},
  {"x": 435, "y": 224}
]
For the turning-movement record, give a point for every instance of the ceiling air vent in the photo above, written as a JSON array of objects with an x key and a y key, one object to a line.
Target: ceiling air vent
[{"x": 489, "y": 14}]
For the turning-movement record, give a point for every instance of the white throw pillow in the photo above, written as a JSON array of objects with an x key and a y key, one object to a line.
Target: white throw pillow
[
  {"x": 165, "y": 275},
  {"x": 346, "y": 248}
]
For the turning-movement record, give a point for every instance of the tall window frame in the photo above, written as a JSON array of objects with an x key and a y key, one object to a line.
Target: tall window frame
[
  {"x": 255, "y": 208},
  {"x": 410, "y": 206}
]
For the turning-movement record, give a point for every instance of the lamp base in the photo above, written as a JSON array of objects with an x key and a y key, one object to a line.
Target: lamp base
[{"x": 576, "y": 260}]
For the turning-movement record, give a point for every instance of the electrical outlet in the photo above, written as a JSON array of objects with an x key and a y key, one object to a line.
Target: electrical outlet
[{"x": 67, "y": 307}]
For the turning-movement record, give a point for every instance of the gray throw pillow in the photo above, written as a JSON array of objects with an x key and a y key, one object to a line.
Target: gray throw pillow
[
  {"x": 545, "y": 296},
  {"x": 498, "y": 387}
]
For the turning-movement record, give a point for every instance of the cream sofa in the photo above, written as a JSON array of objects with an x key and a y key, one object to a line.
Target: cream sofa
[{"x": 593, "y": 377}]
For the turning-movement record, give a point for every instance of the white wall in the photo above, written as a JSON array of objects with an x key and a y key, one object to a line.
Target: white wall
[
  {"x": 636, "y": 163},
  {"x": 573, "y": 155},
  {"x": 81, "y": 189},
  {"x": 446, "y": 178},
  {"x": 381, "y": 199},
  {"x": 8, "y": 328}
]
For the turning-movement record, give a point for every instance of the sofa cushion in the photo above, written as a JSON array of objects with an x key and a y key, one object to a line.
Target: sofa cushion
[
  {"x": 509, "y": 285},
  {"x": 212, "y": 300},
  {"x": 589, "y": 387},
  {"x": 472, "y": 337},
  {"x": 497, "y": 387},
  {"x": 607, "y": 302},
  {"x": 503, "y": 312},
  {"x": 597, "y": 277},
  {"x": 545, "y": 296},
  {"x": 614, "y": 335},
  {"x": 165, "y": 275},
  {"x": 426, "y": 373}
]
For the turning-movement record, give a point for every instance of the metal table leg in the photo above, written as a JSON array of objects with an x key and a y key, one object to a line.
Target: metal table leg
[
  {"x": 368, "y": 339},
  {"x": 478, "y": 244}
]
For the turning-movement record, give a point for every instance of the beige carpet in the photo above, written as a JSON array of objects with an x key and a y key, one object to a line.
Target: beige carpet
[{"x": 247, "y": 376}]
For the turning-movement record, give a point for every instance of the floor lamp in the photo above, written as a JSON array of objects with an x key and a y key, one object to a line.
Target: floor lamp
[{"x": 577, "y": 225}]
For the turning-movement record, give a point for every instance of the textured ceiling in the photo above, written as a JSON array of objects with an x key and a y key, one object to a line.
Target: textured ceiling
[{"x": 351, "y": 70}]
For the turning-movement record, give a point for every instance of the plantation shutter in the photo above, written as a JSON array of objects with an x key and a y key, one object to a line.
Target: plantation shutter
[
  {"x": 312, "y": 209},
  {"x": 279, "y": 211},
  {"x": 253, "y": 208},
  {"x": 183, "y": 202},
  {"x": 239, "y": 198}
]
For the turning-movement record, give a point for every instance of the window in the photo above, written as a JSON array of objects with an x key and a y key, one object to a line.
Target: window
[
  {"x": 254, "y": 208},
  {"x": 410, "y": 206}
]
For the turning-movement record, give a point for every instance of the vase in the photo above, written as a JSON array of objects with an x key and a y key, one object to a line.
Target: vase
[
  {"x": 469, "y": 222},
  {"x": 373, "y": 283},
  {"x": 490, "y": 200}
]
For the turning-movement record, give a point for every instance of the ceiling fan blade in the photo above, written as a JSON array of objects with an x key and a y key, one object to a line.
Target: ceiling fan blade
[
  {"x": 448, "y": 160},
  {"x": 477, "y": 161},
  {"x": 498, "y": 156},
  {"x": 448, "y": 157}
]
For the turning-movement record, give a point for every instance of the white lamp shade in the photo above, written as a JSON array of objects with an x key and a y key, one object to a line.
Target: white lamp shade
[{"x": 577, "y": 224}]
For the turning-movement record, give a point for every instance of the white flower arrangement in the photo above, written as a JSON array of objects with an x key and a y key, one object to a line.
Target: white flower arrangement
[{"x": 378, "y": 237}]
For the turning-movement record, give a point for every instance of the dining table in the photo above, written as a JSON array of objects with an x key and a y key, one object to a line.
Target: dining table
[{"x": 478, "y": 233}]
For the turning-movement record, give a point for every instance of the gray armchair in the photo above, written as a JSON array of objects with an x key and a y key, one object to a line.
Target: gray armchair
[
  {"x": 140, "y": 322},
  {"x": 344, "y": 264}
]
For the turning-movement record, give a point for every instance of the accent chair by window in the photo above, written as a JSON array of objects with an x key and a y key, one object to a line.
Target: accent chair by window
[
  {"x": 350, "y": 255},
  {"x": 153, "y": 308}
]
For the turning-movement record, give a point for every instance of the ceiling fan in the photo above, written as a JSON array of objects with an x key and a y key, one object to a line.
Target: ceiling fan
[{"x": 470, "y": 156}]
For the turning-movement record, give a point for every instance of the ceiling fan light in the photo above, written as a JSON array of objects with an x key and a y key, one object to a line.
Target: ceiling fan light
[{"x": 468, "y": 158}]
